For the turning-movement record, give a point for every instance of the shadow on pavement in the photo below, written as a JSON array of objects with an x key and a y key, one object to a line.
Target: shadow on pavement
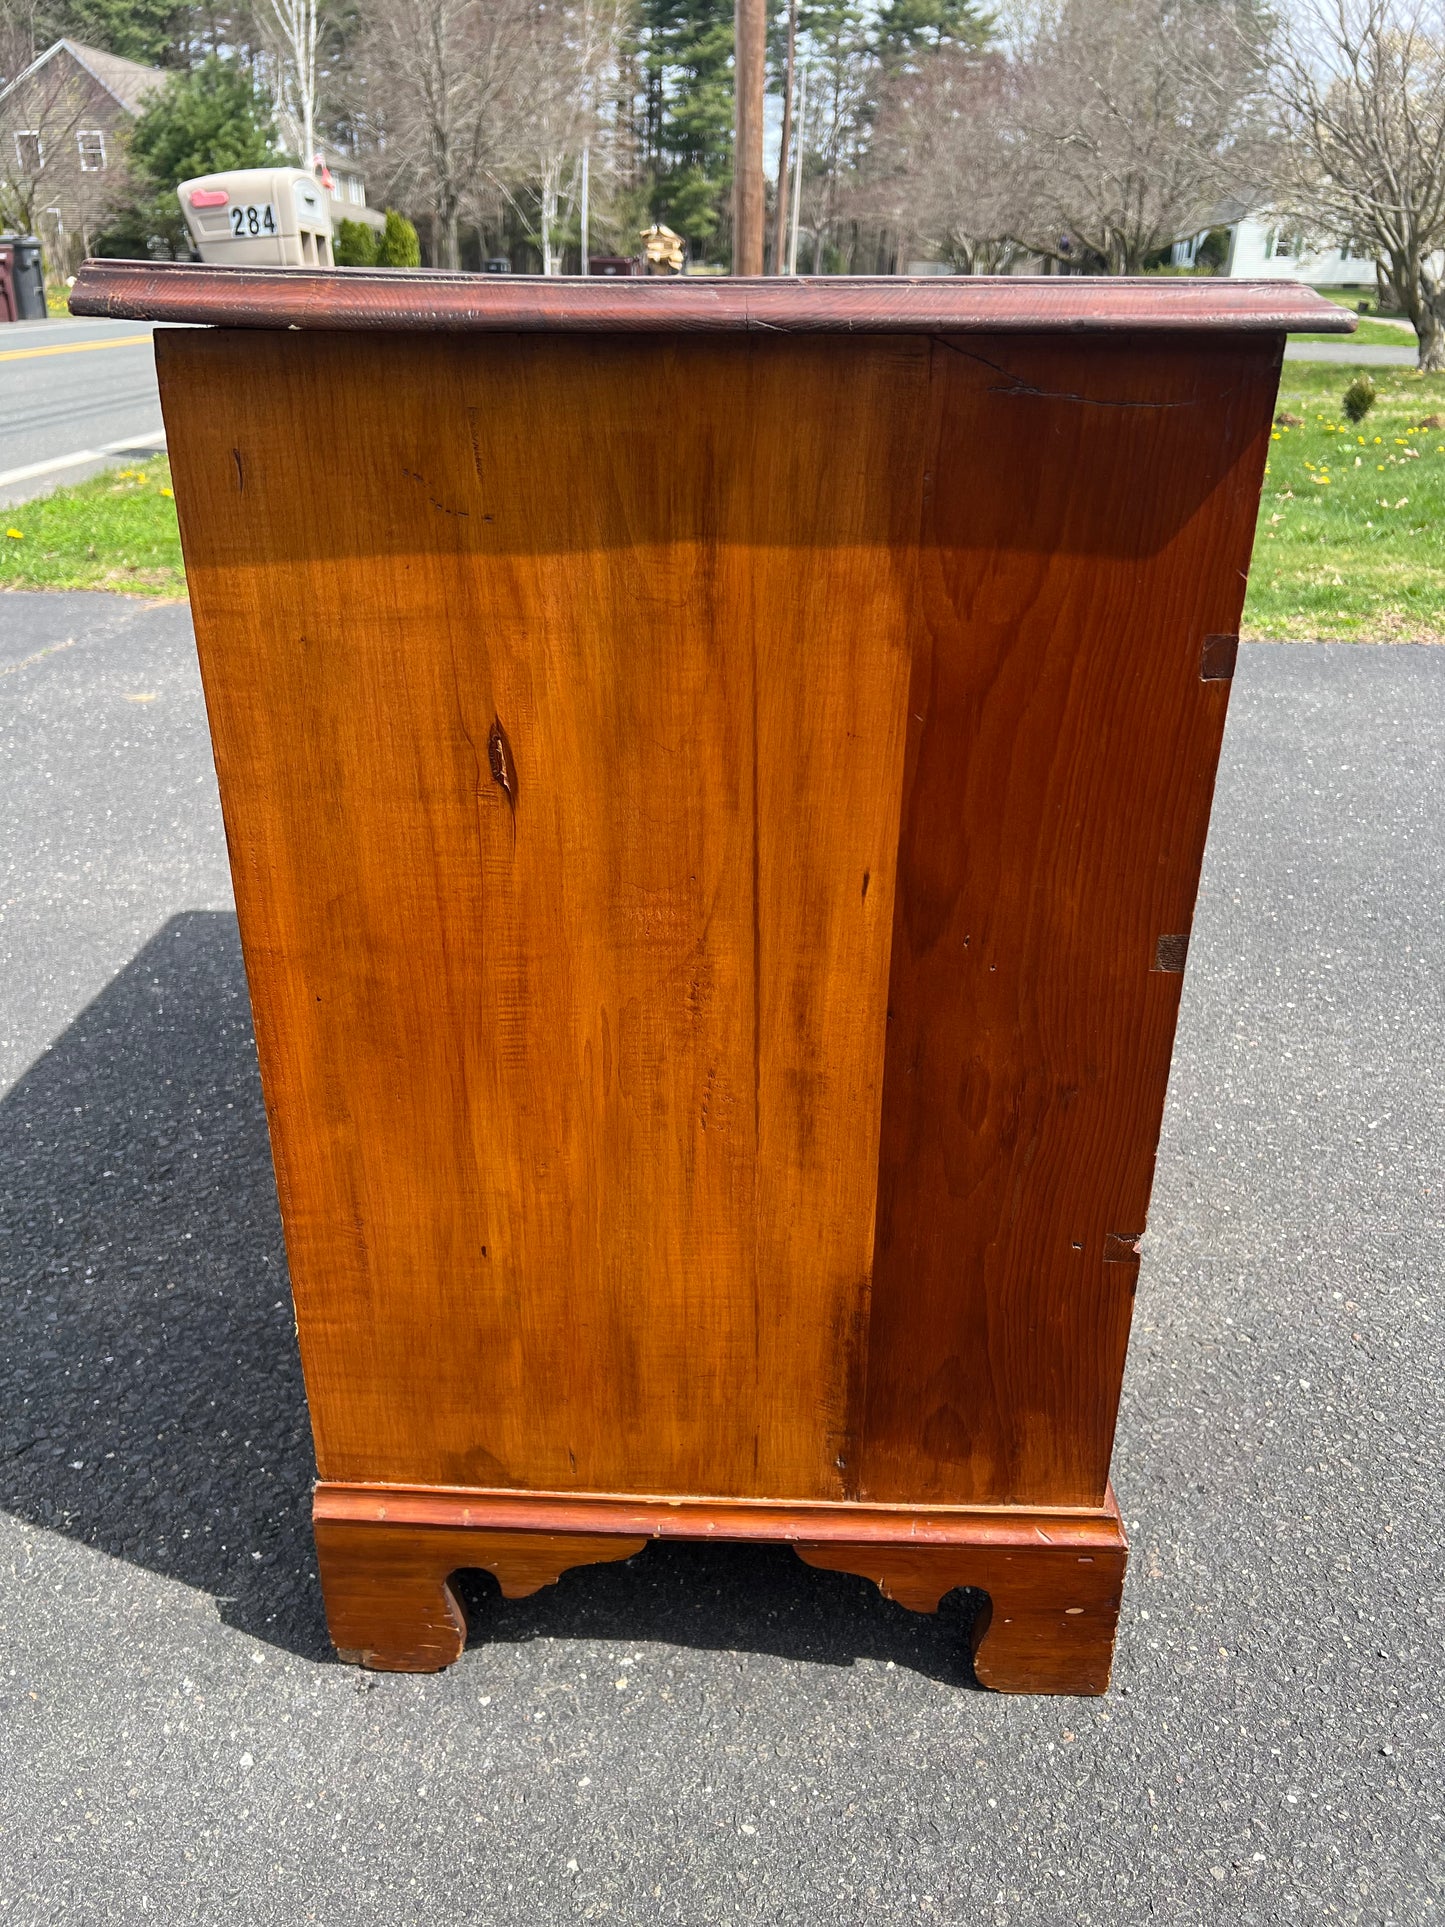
[{"x": 151, "y": 1402}]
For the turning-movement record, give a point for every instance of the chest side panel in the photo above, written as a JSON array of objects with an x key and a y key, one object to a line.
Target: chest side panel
[
  {"x": 558, "y": 695},
  {"x": 1088, "y": 526}
]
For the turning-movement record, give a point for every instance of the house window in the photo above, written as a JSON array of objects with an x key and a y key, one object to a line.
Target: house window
[
  {"x": 30, "y": 152},
  {"x": 355, "y": 192},
  {"x": 92, "y": 152}
]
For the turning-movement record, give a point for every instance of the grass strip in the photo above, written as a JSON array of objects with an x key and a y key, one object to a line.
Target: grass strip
[
  {"x": 1350, "y": 544},
  {"x": 116, "y": 531}
]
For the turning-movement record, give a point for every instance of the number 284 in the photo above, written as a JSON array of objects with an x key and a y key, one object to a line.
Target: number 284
[{"x": 252, "y": 220}]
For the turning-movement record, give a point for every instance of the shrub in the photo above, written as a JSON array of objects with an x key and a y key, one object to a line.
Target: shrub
[
  {"x": 355, "y": 245},
  {"x": 1359, "y": 398},
  {"x": 399, "y": 246},
  {"x": 206, "y": 121}
]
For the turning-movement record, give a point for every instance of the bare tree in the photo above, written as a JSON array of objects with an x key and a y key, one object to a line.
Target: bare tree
[
  {"x": 941, "y": 169},
  {"x": 21, "y": 37},
  {"x": 780, "y": 205},
  {"x": 436, "y": 89},
  {"x": 1361, "y": 94},
  {"x": 835, "y": 46},
  {"x": 1134, "y": 121},
  {"x": 1096, "y": 135},
  {"x": 564, "y": 71},
  {"x": 295, "y": 27}
]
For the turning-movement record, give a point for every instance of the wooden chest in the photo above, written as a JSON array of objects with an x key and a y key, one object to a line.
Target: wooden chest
[{"x": 716, "y": 777}]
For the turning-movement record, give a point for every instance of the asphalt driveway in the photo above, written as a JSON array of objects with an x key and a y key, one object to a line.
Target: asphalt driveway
[{"x": 710, "y": 1734}]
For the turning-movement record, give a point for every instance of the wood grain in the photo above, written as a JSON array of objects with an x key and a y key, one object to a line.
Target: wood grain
[
  {"x": 787, "y": 1521},
  {"x": 369, "y": 298},
  {"x": 715, "y": 815},
  {"x": 1051, "y": 1614},
  {"x": 574, "y": 1090},
  {"x": 1053, "y": 1580},
  {"x": 389, "y": 1605},
  {"x": 1058, "y": 717}
]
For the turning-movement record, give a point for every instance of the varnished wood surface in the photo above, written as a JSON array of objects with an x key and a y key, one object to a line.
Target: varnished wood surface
[
  {"x": 563, "y": 759},
  {"x": 715, "y": 824},
  {"x": 702, "y": 1518},
  {"x": 1064, "y": 729},
  {"x": 388, "y": 1602},
  {"x": 1053, "y": 1582},
  {"x": 574, "y": 1079},
  {"x": 370, "y": 298},
  {"x": 1051, "y": 1615}
]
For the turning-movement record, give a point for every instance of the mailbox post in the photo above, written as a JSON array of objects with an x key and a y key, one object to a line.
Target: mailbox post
[{"x": 715, "y": 891}]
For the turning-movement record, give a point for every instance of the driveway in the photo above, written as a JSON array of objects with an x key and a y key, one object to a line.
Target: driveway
[{"x": 712, "y": 1734}]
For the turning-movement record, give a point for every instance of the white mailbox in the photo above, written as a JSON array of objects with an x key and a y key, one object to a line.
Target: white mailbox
[{"x": 259, "y": 217}]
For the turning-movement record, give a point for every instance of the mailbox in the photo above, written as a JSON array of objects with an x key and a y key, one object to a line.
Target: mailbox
[{"x": 261, "y": 217}]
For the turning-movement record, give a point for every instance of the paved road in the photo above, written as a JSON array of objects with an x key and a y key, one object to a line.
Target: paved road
[
  {"x": 713, "y": 1734},
  {"x": 68, "y": 387},
  {"x": 1362, "y": 355}
]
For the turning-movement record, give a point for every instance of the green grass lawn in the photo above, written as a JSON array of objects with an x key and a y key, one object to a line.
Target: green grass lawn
[
  {"x": 117, "y": 531},
  {"x": 1351, "y": 536},
  {"x": 1351, "y": 541}
]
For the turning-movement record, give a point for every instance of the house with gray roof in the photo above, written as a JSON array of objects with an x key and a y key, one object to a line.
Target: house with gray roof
[{"x": 63, "y": 124}]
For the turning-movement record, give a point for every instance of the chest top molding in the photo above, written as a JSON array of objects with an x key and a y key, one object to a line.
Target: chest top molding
[{"x": 351, "y": 299}]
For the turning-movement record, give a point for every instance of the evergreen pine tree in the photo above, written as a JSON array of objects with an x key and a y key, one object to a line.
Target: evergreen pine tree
[
  {"x": 143, "y": 30},
  {"x": 203, "y": 122},
  {"x": 687, "y": 49}
]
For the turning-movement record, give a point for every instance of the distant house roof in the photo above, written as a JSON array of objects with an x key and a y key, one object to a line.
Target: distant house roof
[
  {"x": 126, "y": 81},
  {"x": 336, "y": 160}
]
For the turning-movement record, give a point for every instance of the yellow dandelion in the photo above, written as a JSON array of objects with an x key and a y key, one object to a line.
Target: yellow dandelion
[
  {"x": 16, "y": 535},
  {"x": 166, "y": 491}
]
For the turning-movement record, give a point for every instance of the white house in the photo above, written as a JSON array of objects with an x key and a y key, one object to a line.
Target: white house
[{"x": 1263, "y": 247}]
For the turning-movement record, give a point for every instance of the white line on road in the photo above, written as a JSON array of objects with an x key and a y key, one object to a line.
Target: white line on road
[{"x": 156, "y": 439}]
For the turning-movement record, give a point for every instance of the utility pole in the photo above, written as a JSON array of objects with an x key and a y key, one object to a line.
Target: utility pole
[
  {"x": 586, "y": 158},
  {"x": 780, "y": 210},
  {"x": 750, "y": 37}
]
